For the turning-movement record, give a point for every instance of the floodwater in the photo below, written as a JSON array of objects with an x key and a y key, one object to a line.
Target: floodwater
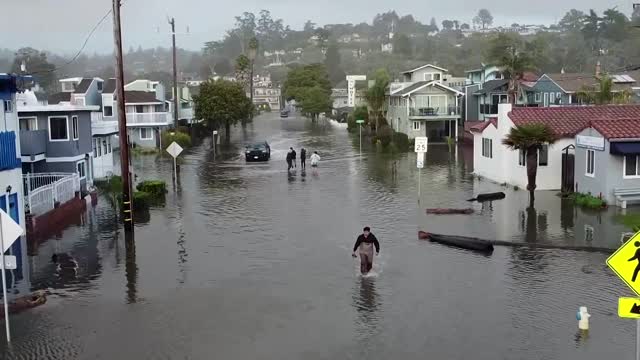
[{"x": 246, "y": 261}]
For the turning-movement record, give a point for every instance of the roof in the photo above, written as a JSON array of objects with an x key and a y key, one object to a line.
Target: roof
[
  {"x": 422, "y": 84},
  {"x": 57, "y": 98},
  {"x": 572, "y": 82},
  {"x": 55, "y": 108},
  {"x": 617, "y": 129},
  {"x": 567, "y": 121},
  {"x": 132, "y": 96},
  {"x": 491, "y": 85},
  {"x": 83, "y": 86},
  {"x": 424, "y": 66},
  {"x": 109, "y": 86},
  {"x": 480, "y": 127}
]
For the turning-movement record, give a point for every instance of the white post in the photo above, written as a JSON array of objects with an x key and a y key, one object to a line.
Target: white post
[
  {"x": 419, "y": 188},
  {"x": 4, "y": 288},
  {"x": 175, "y": 169}
]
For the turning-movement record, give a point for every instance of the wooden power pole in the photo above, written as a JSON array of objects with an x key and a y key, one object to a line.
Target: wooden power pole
[
  {"x": 127, "y": 205},
  {"x": 175, "y": 74}
]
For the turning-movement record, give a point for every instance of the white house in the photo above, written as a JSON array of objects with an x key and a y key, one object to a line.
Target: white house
[{"x": 494, "y": 161}]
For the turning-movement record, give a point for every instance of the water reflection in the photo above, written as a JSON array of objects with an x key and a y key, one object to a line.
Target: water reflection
[
  {"x": 131, "y": 267},
  {"x": 366, "y": 302}
]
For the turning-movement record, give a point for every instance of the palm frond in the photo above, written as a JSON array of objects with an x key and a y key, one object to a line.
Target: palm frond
[{"x": 526, "y": 136}]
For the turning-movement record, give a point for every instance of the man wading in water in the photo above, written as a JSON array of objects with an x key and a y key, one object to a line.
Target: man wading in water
[{"x": 366, "y": 241}]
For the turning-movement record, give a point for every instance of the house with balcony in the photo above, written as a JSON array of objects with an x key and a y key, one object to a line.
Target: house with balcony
[
  {"x": 186, "y": 110},
  {"x": 147, "y": 110},
  {"x": 266, "y": 95},
  {"x": 422, "y": 105}
]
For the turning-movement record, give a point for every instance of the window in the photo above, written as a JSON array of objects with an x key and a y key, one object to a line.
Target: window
[
  {"x": 68, "y": 86},
  {"x": 29, "y": 124},
  {"x": 146, "y": 134},
  {"x": 559, "y": 98},
  {"x": 552, "y": 98},
  {"x": 74, "y": 127},
  {"x": 8, "y": 106},
  {"x": 631, "y": 168},
  {"x": 109, "y": 145},
  {"x": 522, "y": 158},
  {"x": 95, "y": 150},
  {"x": 58, "y": 128},
  {"x": 487, "y": 150},
  {"x": 139, "y": 108},
  {"x": 538, "y": 97},
  {"x": 591, "y": 171},
  {"x": 82, "y": 169},
  {"x": 436, "y": 76},
  {"x": 543, "y": 155},
  {"x": 546, "y": 100},
  {"x": 416, "y": 125},
  {"x": 98, "y": 146},
  {"x": 104, "y": 147},
  {"x": 107, "y": 110},
  {"x": 99, "y": 85}
]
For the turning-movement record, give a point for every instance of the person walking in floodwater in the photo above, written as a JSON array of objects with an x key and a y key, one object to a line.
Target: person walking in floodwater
[
  {"x": 289, "y": 160},
  {"x": 303, "y": 158},
  {"x": 636, "y": 256},
  {"x": 365, "y": 243},
  {"x": 293, "y": 157},
  {"x": 315, "y": 158}
]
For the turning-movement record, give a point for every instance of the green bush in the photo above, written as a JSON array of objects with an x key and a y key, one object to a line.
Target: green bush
[
  {"x": 384, "y": 136},
  {"x": 589, "y": 201},
  {"x": 181, "y": 138},
  {"x": 141, "y": 200},
  {"x": 359, "y": 113},
  {"x": 155, "y": 188},
  {"x": 401, "y": 141}
]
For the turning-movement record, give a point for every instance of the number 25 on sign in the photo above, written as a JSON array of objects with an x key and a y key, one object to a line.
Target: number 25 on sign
[{"x": 421, "y": 144}]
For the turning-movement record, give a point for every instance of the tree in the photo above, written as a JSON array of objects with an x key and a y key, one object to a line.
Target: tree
[
  {"x": 310, "y": 86},
  {"x": 243, "y": 70},
  {"x": 36, "y": 63},
  {"x": 246, "y": 28},
  {"x": 592, "y": 29},
  {"x": 222, "y": 103},
  {"x": 602, "y": 93},
  {"x": 402, "y": 45},
  {"x": 484, "y": 18},
  {"x": 572, "y": 20},
  {"x": 223, "y": 67},
  {"x": 456, "y": 24},
  {"x": 376, "y": 95},
  {"x": 332, "y": 63},
  {"x": 323, "y": 37},
  {"x": 465, "y": 26},
  {"x": 508, "y": 52},
  {"x": 447, "y": 25},
  {"x": 433, "y": 26},
  {"x": 309, "y": 26},
  {"x": 529, "y": 138},
  {"x": 614, "y": 25}
]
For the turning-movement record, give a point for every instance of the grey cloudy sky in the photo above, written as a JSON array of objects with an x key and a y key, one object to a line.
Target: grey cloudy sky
[{"x": 62, "y": 25}]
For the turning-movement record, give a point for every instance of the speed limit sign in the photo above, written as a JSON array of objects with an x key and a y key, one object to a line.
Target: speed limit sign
[{"x": 421, "y": 144}]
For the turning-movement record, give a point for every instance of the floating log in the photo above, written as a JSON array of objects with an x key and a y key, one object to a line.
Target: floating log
[
  {"x": 462, "y": 242},
  {"x": 25, "y": 302},
  {"x": 440, "y": 211},
  {"x": 489, "y": 197}
]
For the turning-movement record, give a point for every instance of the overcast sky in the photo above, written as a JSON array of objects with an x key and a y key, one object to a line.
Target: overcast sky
[{"x": 62, "y": 25}]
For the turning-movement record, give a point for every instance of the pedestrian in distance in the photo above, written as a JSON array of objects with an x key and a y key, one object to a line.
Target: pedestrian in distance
[
  {"x": 364, "y": 245},
  {"x": 289, "y": 159},
  {"x": 303, "y": 158},
  {"x": 293, "y": 157},
  {"x": 315, "y": 158}
]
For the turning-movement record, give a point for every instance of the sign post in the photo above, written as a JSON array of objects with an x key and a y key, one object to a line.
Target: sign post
[
  {"x": 174, "y": 150},
  {"x": 421, "y": 144},
  {"x": 9, "y": 232},
  {"x": 625, "y": 263},
  {"x": 360, "y": 122}
]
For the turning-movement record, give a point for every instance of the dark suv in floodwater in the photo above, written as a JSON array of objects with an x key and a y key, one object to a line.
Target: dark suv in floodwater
[{"x": 258, "y": 152}]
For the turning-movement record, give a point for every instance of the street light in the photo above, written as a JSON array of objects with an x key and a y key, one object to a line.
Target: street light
[{"x": 360, "y": 122}]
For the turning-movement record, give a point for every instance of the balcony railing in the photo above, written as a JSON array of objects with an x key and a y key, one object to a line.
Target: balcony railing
[
  {"x": 100, "y": 125},
  {"x": 157, "y": 118},
  {"x": 434, "y": 111},
  {"x": 33, "y": 142},
  {"x": 42, "y": 191},
  {"x": 489, "y": 109}
]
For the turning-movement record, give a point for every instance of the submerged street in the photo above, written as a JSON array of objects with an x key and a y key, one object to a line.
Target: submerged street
[{"x": 246, "y": 261}]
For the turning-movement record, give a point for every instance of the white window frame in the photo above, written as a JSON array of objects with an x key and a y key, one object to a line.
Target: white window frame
[
  {"x": 75, "y": 127},
  {"x": 8, "y": 106},
  {"x": 559, "y": 98},
  {"x": 84, "y": 167},
  {"x": 545, "y": 100},
  {"x": 547, "y": 164},
  {"x": 109, "y": 145},
  {"x": 593, "y": 167},
  {"x": 552, "y": 98},
  {"x": 538, "y": 97},
  {"x": 487, "y": 148},
  {"x": 624, "y": 168},
  {"x": 66, "y": 117},
  {"x": 95, "y": 150},
  {"x": 522, "y": 158},
  {"x": 418, "y": 127},
  {"x": 35, "y": 118},
  {"x": 103, "y": 112},
  {"x": 99, "y": 86},
  {"x": 148, "y": 130}
]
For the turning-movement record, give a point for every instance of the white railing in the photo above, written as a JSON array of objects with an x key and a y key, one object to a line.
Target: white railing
[
  {"x": 157, "y": 118},
  {"x": 43, "y": 190},
  {"x": 97, "y": 116}
]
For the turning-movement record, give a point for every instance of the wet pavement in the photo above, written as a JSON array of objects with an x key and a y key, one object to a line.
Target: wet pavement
[{"x": 246, "y": 261}]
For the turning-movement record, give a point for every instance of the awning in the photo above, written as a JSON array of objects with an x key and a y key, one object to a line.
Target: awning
[{"x": 625, "y": 148}]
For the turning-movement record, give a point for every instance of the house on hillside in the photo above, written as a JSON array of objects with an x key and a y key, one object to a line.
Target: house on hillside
[
  {"x": 422, "y": 105},
  {"x": 496, "y": 162},
  {"x": 607, "y": 160}
]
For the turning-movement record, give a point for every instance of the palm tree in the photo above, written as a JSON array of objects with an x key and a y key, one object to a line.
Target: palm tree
[
  {"x": 602, "y": 93},
  {"x": 508, "y": 53},
  {"x": 376, "y": 95},
  {"x": 530, "y": 138}
]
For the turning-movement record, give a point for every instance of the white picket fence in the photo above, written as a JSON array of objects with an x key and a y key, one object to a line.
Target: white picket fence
[{"x": 43, "y": 190}]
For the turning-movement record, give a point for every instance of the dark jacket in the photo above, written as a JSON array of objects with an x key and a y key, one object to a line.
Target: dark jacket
[
  {"x": 289, "y": 156},
  {"x": 368, "y": 240},
  {"x": 303, "y": 154},
  {"x": 293, "y": 155}
]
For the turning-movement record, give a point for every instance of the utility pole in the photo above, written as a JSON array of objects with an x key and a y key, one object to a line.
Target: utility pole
[
  {"x": 172, "y": 22},
  {"x": 122, "y": 121}
]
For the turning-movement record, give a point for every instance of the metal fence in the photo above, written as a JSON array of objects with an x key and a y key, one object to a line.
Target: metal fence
[{"x": 43, "y": 190}]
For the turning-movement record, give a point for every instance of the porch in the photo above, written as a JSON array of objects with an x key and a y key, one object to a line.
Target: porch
[
  {"x": 437, "y": 130},
  {"x": 44, "y": 192}
]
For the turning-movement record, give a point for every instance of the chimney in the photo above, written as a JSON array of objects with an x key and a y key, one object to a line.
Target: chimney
[{"x": 598, "y": 68}]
